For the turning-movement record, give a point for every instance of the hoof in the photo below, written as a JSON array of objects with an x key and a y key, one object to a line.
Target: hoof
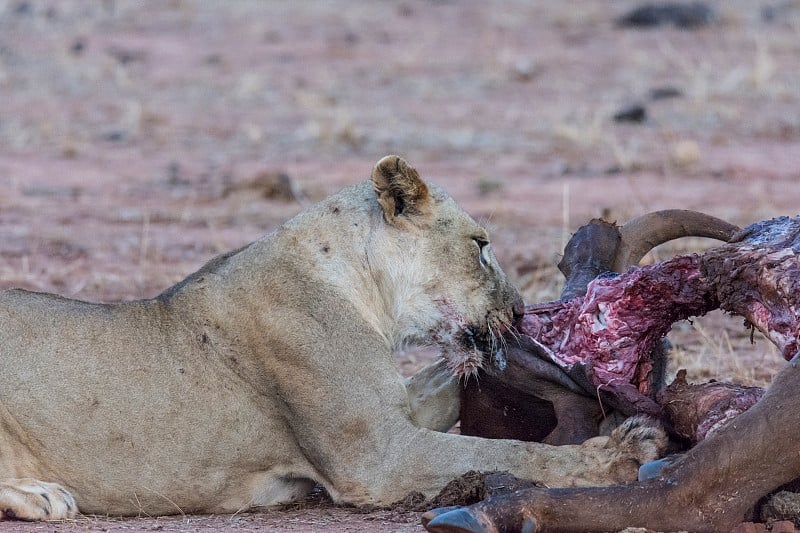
[
  {"x": 458, "y": 520},
  {"x": 653, "y": 469},
  {"x": 433, "y": 513}
]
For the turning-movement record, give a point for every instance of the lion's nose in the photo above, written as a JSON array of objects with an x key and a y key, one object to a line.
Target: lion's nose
[{"x": 518, "y": 308}]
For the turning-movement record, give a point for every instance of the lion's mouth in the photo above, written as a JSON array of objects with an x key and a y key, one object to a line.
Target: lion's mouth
[
  {"x": 468, "y": 346},
  {"x": 466, "y": 353},
  {"x": 471, "y": 348}
]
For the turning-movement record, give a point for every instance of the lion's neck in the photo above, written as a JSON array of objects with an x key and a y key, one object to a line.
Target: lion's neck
[{"x": 397, "y": 291}]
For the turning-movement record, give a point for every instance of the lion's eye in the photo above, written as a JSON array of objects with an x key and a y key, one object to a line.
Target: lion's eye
[{"x": 484, "y": 255}]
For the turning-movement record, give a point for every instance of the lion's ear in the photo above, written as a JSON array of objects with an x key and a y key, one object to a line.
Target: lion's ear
[{"x": 399, "y": 188}]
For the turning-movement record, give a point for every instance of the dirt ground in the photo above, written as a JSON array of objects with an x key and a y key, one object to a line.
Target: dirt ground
[{"x": 138, "y": 139}]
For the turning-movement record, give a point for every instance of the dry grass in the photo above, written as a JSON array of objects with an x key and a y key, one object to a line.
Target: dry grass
[{"x": 718, "y": 347}]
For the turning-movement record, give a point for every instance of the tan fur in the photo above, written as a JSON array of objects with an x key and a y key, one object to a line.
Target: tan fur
[{"x": 271, "y": 368}]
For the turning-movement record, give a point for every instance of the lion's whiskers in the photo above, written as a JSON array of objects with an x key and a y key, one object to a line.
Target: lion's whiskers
[
  {"x": 514, "y": 332},
  {"x": 492, "y": 335}
]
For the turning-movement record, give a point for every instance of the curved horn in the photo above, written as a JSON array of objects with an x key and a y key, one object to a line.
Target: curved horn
[{"x": 644, "y": 233}]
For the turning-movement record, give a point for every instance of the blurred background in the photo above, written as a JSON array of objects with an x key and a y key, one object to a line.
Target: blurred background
[{"x": 138, "y": 139}]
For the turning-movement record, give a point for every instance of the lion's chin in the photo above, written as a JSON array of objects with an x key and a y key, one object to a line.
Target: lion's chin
[
  {"x": 466, "y": 354},
  {"x": 462, "y": 362},
  {"x": 468, "y": 347}
]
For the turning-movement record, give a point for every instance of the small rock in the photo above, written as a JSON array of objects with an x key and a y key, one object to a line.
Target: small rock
[
  {"x": 78, "y": 46},
  {"x": 633, "y": 113},
  {"x": 488, "y": 186},
  {"x": 126, "y": 55},
  {"x": 351, "y": 38},
  {"x": 684, "y": 16},
  {"x": 663, "y": 93},
  {"x": 115, "y": 135},
  {"x": 175, "y": 176},
  {"x": 69, "y": 151},
  {"x": 405, "y": 10},
  {"x": 273, "y": 36},
  {"x": 23, "y": 8},
  {"x": 685, "y": 152},
  {"x": 773, "y": 12},
  {"x": 213, "y": 59},
  {"x": 270, "y": 185},
  {"x": 523, "y": 70}
]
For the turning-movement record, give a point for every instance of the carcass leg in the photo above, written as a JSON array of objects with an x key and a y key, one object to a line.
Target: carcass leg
[{"x": 711, "y": 488}]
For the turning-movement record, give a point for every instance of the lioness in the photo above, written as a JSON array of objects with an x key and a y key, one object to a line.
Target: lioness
[{"x": 271, "y": 368}]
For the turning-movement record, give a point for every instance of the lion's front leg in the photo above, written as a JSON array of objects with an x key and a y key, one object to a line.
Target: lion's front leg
[
  {"x": 424, "y": 461},
  {"x": 366, "y": 446},
  {"x": 434, "y": 397},
  {"x": 31, "y": 499}
]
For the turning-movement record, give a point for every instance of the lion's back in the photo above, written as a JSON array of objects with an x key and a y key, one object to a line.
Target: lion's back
[{"x": 30, "y": 319}]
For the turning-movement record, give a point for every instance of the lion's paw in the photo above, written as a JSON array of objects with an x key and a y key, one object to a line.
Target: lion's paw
[
  {"x": 641, "y": 437},
  {"x": 617, "y": 458},
  {"x": 30, "y": 499},
  {"x": 636, "y": 441}
]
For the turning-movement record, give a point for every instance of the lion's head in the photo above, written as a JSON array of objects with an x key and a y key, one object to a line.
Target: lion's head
[{"x": 437, "y": 270}]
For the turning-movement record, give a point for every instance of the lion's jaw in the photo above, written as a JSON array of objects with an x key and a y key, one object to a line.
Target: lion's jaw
[{"x": 467, "y": 347}]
